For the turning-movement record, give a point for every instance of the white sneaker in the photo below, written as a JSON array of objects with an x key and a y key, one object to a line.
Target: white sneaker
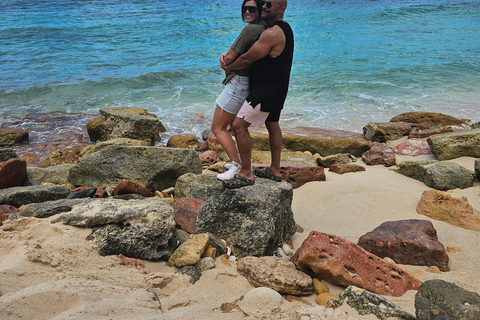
[
  {"x": 228, "y": 165},
  {"x": 233, "y": 170}
]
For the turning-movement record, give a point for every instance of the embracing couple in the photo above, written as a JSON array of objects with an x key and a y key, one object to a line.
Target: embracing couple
[{"x": 257, "y": 68}]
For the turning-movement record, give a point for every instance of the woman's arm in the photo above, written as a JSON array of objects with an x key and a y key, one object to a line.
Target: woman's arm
[{"x": 229, "y": 57}]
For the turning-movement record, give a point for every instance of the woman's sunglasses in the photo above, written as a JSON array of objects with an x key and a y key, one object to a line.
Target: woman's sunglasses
[{"x": 250, "y": 9}]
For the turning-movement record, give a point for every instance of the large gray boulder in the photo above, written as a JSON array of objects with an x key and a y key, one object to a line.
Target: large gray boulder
[
  {"x": 253, "y": 220},
  {"x": 18, "y": 196},
  {"x": 456, "y": 144},
  {"x": 152, "y": 167},
  {"x": 55, "y": 174},
  {"x": 143, "y": 229},
  {"x": 197, "y": 186},
  {"x": 441, "y": 300},
  {"x": 125, "y": 122}
]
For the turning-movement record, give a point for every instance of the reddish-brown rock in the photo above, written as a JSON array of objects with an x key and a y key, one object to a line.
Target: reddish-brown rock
[
  {"x": 430, "y": 132},
  {"x": 379, "y": 153},
  {"x": 412, "y": 242},
  {"x": 384, "y": 131},
  {"x": 442, "y": 206},
  {"x": 342, "y": 262},
  {"x": 342, "y": 168},
  {"x": 13, "y": 173},
  {"x": 427, "y": 120},
  {"x": 101, "y": 192},
  {"x": 67, "y": 155},
  {"x": 129, "y": 187},
  {"x": 297, "y": 175},
  {"x": 186, "y": 211},
  {"x": 413, "y": 147},
  {"x": 209, "y": 157}
]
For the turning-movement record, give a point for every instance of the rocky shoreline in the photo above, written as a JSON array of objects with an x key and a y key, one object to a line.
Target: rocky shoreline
[{"x": 144, "y": 202}]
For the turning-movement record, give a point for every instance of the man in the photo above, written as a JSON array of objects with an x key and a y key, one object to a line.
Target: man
[{"x": 270, "y": 61}]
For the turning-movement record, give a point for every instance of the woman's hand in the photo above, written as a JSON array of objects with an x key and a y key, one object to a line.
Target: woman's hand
[{"x": 222, "y": 61}]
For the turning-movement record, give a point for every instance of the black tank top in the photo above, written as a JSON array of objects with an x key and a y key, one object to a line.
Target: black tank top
[{"x": 270, "y": 70}]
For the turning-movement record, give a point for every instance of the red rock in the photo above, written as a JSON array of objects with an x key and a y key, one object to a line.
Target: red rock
[
  {"x": 13, "y": 173},
  {"x": 342, "y": 168},
  {"x": 411, "y": 242},
  {"x": 186, "y": 211},
  {"x": 342, "y": 262},
  {"x": 413, "y": 147},
  {"x": 379, "y": 153},
  {"x": 208, "y": 157},
  {"x": 430, "y": 132},
  {"x": 297, "y": 175},
  {"x": 101, "y": 192},
  {"x": 129, "y": 187},
  {"x": 291, "y": 298}
]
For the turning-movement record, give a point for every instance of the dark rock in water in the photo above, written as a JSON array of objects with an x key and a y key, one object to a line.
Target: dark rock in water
[
  {"x": 13, "y": 173},
  {"x": 7, "y": 154},
  {"x": 192, "y": 272},
  {"x": 18, "y": 196},
  {"x": 142, "y": 229},
  {"x": 152, "y": 167},
  {"x": 13, "y": 137},
  {"x": 366, "y": 302},
  {"x": 253, "y": 220},
  {"x": 50, "y": 208},
  {"x": 411, "y": 242},
  {"x": 85, "y": 193},
  {"x": 441, "y": 300}
]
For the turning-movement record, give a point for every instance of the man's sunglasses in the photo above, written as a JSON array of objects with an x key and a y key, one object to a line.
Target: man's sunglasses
[
  {"x": 270, "y": 4},
  {"x": 250, "y": 9}
]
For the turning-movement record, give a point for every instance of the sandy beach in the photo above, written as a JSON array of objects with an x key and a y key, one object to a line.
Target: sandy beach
[{"x": 50, "y": 271}]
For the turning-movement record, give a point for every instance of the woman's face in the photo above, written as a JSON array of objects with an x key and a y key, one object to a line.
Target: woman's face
[{"x": 249, "y": 16}]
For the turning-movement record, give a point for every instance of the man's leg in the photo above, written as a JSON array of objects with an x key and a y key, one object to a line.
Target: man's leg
[
  {"x": 244, "y": 145},
  {"x": 276, "y": 141}
]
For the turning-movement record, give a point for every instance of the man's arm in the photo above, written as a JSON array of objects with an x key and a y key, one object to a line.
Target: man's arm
[{"x": 268, "y": 41}]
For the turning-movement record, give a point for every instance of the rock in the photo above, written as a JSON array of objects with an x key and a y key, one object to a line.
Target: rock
[
  {"x": 131, "y": 187},
  {"x": 341, "y": 158},
  {"x": 101, "y": 192},
  {"x": 12, "y": 173},
  {"x": 125, "y": 122},
  {"x": 220, "y": 246},
  {"x": 411, "y": 242},
  {"x": 205, "y": 264},
  {"x": 430, "y": 132},
  {"x": 209, "y": 157},
  {"x": 210, "y": 252},
  {"x": 319, "y": 287},
  {"x": 448, "y": 175},
  {"x": 186, "y": 211},
  {"x": 438, "y": 299},
  {"x": 427, "y": 120},
  {"x": 5, "y": 211},
  {"x": 142, "y": 229},
  {"x": 413, "y": 147},
  {"x": 18, "y": 196},
  {"x": 152, "y": 167},
  {"x": 258, "y": 300},
  {"x": 297, "y": 175},
  {"x": 456, "y": 144},
  {"x": 186, "y": 141},
  {"x": 13, "y": 137},
  {"x": 383, "y": 132},
  {"x": 84, "y": 193},
  {"x": 315, "y": 140},
  {"x": 50, "y": 208},
  {"x": 275, "y": 273},
  {"x": 253, "y": 220},
  {"x": 341, "y": 168},
  {"x": 56, "y": 175},
  {"x": 192, "y": 272},
  {"x": 118, "y": 142},
  {"x": 198, "y": 186},
  {"x": 7, "y": 154},
  {"x": 59, "y": 157},
  {"x": 323, "y": 298},
  {"x": 477, "y": 168},
  {"x": 442, "y": 206},
  {"x": 212, "y": 142},
  {"x": 366, "y": 302},
  {"x": 341, "y": 262},
  {"x": 189, "y": 252},
  {"x": 379, "y": 153},
  {"x": 414, "y": 169}
]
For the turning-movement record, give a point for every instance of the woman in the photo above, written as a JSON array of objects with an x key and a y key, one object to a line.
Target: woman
[{"x": 236, "y": 85}]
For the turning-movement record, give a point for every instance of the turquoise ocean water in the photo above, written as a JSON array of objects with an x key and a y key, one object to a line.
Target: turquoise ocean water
[{"x": 355, "y": 61}]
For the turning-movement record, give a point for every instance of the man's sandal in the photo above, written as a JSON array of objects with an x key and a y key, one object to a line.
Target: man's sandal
[
  {"x": 267, "y": 174},
  {"x": 237, "y": 182}
]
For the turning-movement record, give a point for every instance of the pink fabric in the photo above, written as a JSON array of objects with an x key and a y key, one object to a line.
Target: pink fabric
[{"x": 252, "y": 115}]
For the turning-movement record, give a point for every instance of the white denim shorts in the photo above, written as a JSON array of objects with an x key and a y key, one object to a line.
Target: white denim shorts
[{"x": 234, "y": 94}]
